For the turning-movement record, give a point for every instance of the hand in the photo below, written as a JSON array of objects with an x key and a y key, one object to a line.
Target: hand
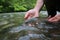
[
  {"x": 56, "y": 18},
  {"x": 31, "y": 13}
]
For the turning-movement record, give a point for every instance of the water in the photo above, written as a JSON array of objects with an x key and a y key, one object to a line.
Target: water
[{"x": 42, "y": 31}]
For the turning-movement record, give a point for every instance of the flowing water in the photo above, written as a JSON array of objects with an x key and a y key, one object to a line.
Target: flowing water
[{"x": 44, "y": 30}]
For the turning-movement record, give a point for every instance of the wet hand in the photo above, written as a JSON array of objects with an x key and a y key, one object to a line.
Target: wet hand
[
  {"x": 55, "y": 18},
  {"x": 31, "y": 13}
]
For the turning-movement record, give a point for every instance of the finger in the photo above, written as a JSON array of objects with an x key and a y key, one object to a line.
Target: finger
[
  {"x": 27, "y": 15},
  {"x": 53, "y": 19}
]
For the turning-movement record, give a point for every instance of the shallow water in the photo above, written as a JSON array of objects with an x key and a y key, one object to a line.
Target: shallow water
[{"x": 42, "y": 31}]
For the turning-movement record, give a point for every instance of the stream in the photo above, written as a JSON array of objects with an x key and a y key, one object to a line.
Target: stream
[{"x": 12, "y": 29}]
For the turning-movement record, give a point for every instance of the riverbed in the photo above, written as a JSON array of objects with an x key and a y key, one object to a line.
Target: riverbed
[{"x": 12, "y": 27}]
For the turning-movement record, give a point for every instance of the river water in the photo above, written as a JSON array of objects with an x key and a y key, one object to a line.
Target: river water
[{"x": 44, "y": 30}]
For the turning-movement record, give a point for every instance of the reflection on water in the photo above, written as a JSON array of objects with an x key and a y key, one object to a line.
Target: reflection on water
[{"x": 42, "y": 31}]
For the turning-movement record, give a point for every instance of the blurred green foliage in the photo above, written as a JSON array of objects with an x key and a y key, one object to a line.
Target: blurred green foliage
[{"x": 17, "y": 5}]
